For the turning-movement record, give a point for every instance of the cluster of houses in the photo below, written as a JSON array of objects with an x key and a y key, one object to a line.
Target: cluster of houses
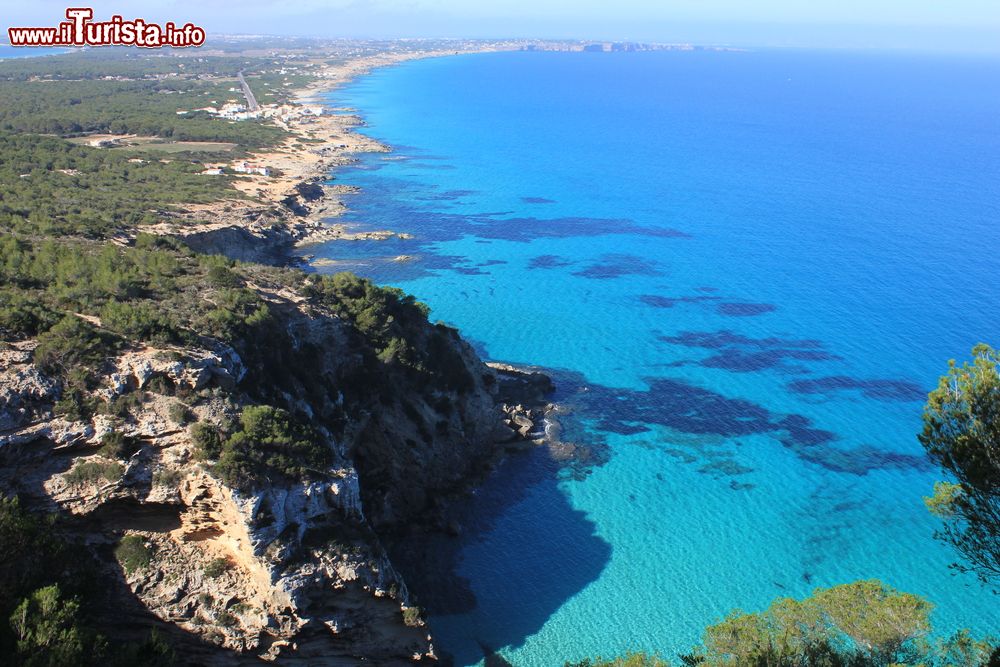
[
  {"x": 287, "y": 112},
  {"x": 234, "y": 111},
  {"x": 283, "y": 112},
  {"x": 229, "y": 111},
  {"x": 241, "y": 167},
  {"x": 245, "y": 167}
]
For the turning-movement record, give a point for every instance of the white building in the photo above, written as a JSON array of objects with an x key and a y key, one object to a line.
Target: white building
[
  {"x": 233, "y": 111},
  {"x": 245, "y": 167}
]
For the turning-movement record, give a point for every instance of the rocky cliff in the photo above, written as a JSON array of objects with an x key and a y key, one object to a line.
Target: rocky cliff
[{"x": 261, "y": 563}]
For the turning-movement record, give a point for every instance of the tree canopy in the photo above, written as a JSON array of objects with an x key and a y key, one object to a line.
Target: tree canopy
[
  {"x": 860, "y": 624},
  {"x": 961, "y": 434}
]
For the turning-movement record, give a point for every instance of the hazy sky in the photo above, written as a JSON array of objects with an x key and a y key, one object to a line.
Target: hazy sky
[{"x": 933, "y": 24}]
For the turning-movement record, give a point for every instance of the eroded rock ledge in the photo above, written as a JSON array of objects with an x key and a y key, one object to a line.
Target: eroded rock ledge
[{"x": 292, "y": 571}]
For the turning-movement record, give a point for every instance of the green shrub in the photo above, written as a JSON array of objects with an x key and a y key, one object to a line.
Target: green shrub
[
  {"x": 75, "y": 405},
  {"x": 207, "y": 440},
  {"x": 216, "y": 567},
  {"x": 222, "y": 276},
  {"x": 116, "y": 445},
  {"x": 70, "y": 342},
  {"x": 397, "y": 350},
  {"x": 270, "y": 443},
  {"x": 179, "y": 413},
  {"x": 376, "y": 311},
  {"x": 123, "y": 405},
  {"x": 91, "y": 472},
  {"x": 242, "y": 608},
  {"x": 140, "y": 321},
  {"x": 236, "y": 314},
  {"x": 169, "y": 478},
  {"x": 133, "y": 554},
  {"x": 161, "y": 384},
  {"x": 225, "y": 619},
  {"x": 20, "y": 316}
]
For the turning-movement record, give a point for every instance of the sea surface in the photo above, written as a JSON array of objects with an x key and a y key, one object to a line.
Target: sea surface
[
  {"x": 7, "y": 51},
  {"x": 745, "y": 269}
]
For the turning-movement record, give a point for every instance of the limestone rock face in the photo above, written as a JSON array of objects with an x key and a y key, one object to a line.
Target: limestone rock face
[
  {"x": 24, "y": 389},
  {"x": 188, "y": 368},
  {"x": 292, "y": 571}
]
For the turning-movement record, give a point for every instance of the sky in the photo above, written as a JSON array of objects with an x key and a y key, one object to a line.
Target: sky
[{"x": 958, "y": 25}]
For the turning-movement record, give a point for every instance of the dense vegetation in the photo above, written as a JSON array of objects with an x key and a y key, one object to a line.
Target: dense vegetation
[
  {"x": 962, "y": 435},
  {"x": 128, "y": 107},
  {"x": 54, "y": 188},
  {"x": 115, "y": 62},
  {"x": 387, "y": 317},
  {"x": 69, "y": 96},
  {"x": 269, "y": 78},
  {"x": 153, "y": 292},
  {"x": 86, "y": 301},
  {"x": 268, "y": 445}
]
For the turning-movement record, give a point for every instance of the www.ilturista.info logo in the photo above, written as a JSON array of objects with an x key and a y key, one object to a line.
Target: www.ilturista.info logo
[{"x": 79, "y": 30}]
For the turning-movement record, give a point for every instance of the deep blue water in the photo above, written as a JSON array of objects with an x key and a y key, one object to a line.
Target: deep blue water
[{"x": 747, "y": 270}]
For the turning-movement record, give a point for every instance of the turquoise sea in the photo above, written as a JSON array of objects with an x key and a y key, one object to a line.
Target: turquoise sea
[{"x": 745, "y": 270}]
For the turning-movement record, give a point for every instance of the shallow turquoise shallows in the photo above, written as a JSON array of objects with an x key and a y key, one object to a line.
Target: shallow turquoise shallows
[{"x": 746, "y": 269}]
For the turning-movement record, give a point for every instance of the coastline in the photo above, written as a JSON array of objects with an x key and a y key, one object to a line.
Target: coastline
[
  {"x": 530, "y": 419},
  {"x": 343, "y": 144},
  {"x": 294, "y": 207}
]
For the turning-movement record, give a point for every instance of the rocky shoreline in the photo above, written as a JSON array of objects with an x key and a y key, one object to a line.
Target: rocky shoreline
[{"x": 295, "y": 209}]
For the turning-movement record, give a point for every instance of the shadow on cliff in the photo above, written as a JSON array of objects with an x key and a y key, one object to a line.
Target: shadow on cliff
[
  {"x": 86, "y": 567},
  {"x": 525, "y": 546}
]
